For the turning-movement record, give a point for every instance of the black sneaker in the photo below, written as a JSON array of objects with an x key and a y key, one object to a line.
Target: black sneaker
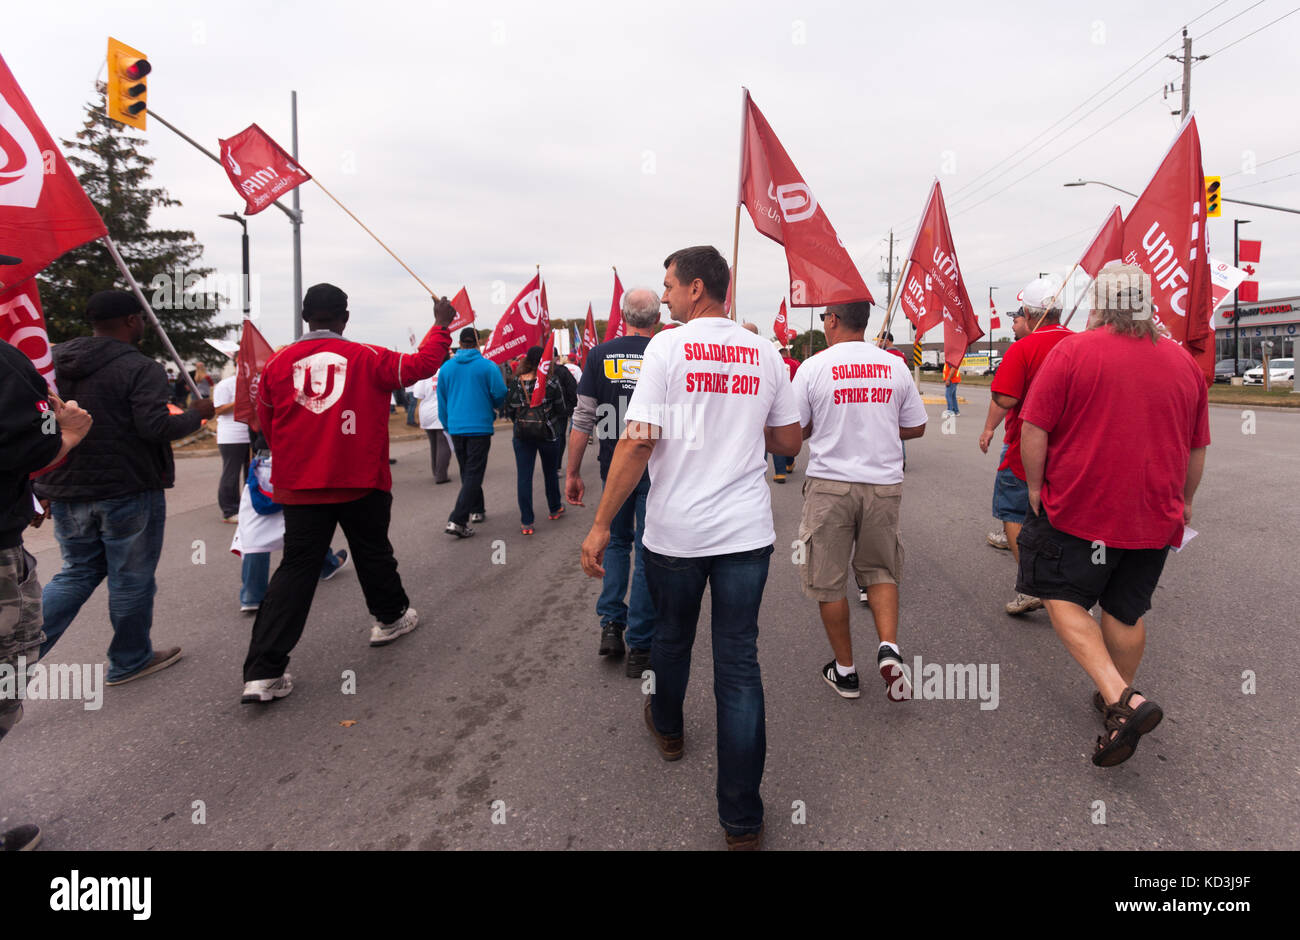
[
  {"x": 20, "y": 839},
  {"x": 611, "y": 640},
  {"x": 862, "y": 595},
  {"x": 846, "y": 686},
  {"x": 638, "y": 661},
  {"x": 897, "y": 688}
]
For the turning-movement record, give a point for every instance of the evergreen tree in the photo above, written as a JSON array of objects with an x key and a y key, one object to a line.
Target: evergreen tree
[{"x": 165, "y": 262}]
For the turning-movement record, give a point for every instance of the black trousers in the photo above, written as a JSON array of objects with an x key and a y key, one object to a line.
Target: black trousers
[
  {"x": 234, "y": 470},
  {"x": 471, "y": 458},
  {"x": 307, "y": 533},
  {"x": 439, "y": 453}
]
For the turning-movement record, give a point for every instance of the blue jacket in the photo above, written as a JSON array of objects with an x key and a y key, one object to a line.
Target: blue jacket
[{"x": 470, "y": 390}]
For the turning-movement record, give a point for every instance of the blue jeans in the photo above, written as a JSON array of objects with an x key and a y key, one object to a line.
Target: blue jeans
[
  {"x": 120, "y": 538},
  {"x": 781, "y": 464},
  {"x": 677, "y": 587},
  {"x": 256, "y": 573},
  {"x": 525, "y": 460},
  {"x": 624, "y": 532},
  {"x": 950, "y": 392}
]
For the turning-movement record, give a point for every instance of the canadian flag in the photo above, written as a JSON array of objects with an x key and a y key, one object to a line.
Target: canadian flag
[
  {"x": 523, "y": 324},
  {"x": 995, "y": 322},
  {"x": 543, "y": 370},
  {"x": 784, "y": 209},
  {"x": 464, "y": 311},
  {"x": 781, "y": 326},
  {"x": 259, "y": 168},
  {"x": 44, "y": 212},
  {"x": 588, "y": 337},
  {"x": 1106, "y": 246},
  {"x": 1248, "y": 253},
  {"x": 1164, "y": 235},
  {"x": 254, "y": 353},
  {"x": 934, "y": 290},
  {"x": 616, "y": 327}
]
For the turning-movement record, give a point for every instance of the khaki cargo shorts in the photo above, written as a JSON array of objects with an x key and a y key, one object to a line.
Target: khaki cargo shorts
[{"x": 843, "y": 521}]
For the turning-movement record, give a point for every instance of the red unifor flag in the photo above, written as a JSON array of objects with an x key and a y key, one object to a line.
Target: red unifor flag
[
  {"x": 44, "y": 212},
  {"x": 995, "y": 321},
  {"x": 588, "y": 337},
  {"x": 254, "y": 352},
  {"x": 779, "y": 327},
  {"x": 1106, "y": 246},
  {"x": 22, "y": 326},
  {"x": 934, "y": 290},
  {"x": 522, "y": 326},
  {"x": 464, "y": 311},
  {"x": 1248, "y": 255},
  {"x": 259, "y": 168},
  {"x": 616, "y": 327},
  {"x": 785, "y": 210},
  {"x": 1164, "y": 235},
  {"x": 543, "y": 370}
]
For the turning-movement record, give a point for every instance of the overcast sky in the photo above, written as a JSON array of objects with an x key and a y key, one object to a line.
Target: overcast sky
[{"x": 480, "y": 140}]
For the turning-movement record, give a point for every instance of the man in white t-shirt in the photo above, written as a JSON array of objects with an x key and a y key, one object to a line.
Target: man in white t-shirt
[
  {"x": 232, "y": 443},
  {"x": 711, "y": 402},
  {"x": 857, "y": 404},
  {"x": 425, "y": 392}
]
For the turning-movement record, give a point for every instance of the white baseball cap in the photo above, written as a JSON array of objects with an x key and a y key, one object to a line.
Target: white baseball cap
[{"x": 1038, "y": 293}]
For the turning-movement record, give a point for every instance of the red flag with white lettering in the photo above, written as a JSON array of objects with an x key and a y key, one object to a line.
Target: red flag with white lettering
[
  {"x": 1248, "y": 253},
  {"x": 1164, "y": 235},
  {"x": 934, "y": 290},
  {"x": 588, "y": 337},
  {"x": 22, "y": 325},
  {"x": 254, "y": 351},
  {"x": 259, "y": 168},
  {"x": 44, "y": 212},
  {"x": 780, "y": 326},
  {"x": 464, "y": 311},
  {"x": 543, "y": 370},
  {"x": 1106, "y": 246},
  {"x": 522, "y": 326},
  {"x": 785, "y": 210},
  {"x": 616, "y": 327}
]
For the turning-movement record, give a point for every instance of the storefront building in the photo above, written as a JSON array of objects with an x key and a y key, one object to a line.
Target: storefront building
[{"x": 1276, "y": 321}]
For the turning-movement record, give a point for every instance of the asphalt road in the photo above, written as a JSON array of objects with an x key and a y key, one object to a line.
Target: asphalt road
[{"x": 500, "y": 696}]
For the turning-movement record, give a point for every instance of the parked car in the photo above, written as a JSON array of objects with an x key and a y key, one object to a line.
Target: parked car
[
  {"x": 1223, "y": 368},
  {"x": 1279, "y": 370}
]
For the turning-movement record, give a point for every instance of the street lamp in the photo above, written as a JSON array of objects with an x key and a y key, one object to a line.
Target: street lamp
[
  {"x": 243, "y": 224},
  {"x": 1100, "y": 183},
  {"x": 1236, "y": 325},
  {"x": 1240, "y": 202},
  {"x": 991, "y": 290}
]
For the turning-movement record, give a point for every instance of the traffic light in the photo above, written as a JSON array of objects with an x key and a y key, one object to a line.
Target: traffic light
[
  {"x": 1213, "y": 202},
  {"x": 128, "y": 88}
]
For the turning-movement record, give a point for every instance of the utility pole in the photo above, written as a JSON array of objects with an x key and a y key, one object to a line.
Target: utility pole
[
  {"x": 888, "y": 273},
  {"x": 1186, "y": 60},
  {"x": 297, "y": 231}
]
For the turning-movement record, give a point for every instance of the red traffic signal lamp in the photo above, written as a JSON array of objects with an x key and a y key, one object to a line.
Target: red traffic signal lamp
[{"x": 128, "y": 87}]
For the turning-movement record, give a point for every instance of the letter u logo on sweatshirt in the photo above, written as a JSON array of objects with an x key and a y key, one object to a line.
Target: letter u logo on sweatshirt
[{"x": 318, "y": 380}]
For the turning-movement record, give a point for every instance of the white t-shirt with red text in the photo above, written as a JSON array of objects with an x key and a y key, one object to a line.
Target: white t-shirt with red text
[
  {"x": 857, "y": 396},
  {"x": 711, "y": 386}
]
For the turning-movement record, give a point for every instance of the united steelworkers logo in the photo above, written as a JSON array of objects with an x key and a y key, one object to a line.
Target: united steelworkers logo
[
  {"x": 795, "y": 200},
  {"x": 318, "y": 380},
  {"x": 21, "y": 170}
]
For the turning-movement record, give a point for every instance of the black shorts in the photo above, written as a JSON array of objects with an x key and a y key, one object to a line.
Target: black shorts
[{"x": 1061, "y": 567}]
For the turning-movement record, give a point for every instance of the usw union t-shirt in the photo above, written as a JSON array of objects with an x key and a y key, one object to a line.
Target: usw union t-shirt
[
  {"x": 857, "y": 396},
  {"x": 711, "y": 386}
]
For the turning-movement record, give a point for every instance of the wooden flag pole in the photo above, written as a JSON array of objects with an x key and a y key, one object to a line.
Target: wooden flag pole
[
  {"x": 139, "y": 295},
  {"x": 740, "y": 178},
  {"x": 1083, "y": 293},
  {"x": 735, "y": 262},
  {"x": 376, "y": 238}
]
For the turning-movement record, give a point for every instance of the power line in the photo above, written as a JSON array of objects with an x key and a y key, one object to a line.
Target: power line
[
  {"x": 1253, "y": 32},
  {"x": 997, "y": 264},
  {"x": 1265, "y": 163},
  {"x": 1229, "y": 20},
  {"x": 1262, "y": 182}
]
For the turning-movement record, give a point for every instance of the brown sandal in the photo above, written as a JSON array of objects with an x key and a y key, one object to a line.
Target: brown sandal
[{"x": 1127, "y": 724}]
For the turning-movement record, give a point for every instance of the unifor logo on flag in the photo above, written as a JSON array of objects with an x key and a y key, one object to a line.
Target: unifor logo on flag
[
  {"x": 259, "y": 168},
  {"x": 1248, "y": 255},
  {"x": 784, "y": 209},
  {"x": 522, "y": 326},
  {"x": 22, "y": 326},
  {"x": 44, "y": 212}
]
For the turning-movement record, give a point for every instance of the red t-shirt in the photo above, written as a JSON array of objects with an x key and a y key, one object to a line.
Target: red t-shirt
[
  {"x": 323, "y": 404},
  {"x": 1122, "y": 417},
  {"x": 792, "y": 365},
  {"x": 1013, "y": 377},
  {"x": 896, "y": 352}
]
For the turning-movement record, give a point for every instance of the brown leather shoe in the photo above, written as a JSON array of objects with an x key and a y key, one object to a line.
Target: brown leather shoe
[
  {"x": 750, "y": 842},
  {"x": 669, "y": 748},
  {"x": 161, "y": 660}
]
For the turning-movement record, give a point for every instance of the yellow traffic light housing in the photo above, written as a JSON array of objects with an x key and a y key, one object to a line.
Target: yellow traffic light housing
[
  {"x": 1213, "y": 197},
  {"x": 128, "y": 87}
]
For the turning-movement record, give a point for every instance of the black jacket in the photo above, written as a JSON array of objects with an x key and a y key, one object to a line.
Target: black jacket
[
  {"x": 127, "y": 450},
  {"x": 557, "y": 398},
  {"x": 28, "y": 440}
]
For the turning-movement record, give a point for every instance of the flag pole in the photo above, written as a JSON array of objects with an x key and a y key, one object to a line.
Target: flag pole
[
  {"x": 139, "y": 295},
  {"x": 740, "y": 177},
  {"x": 376, "y": 238},
  {"x": 1083, "y": 293}
]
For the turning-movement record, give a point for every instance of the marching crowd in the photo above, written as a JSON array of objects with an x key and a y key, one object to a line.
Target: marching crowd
[{"x": 1104, "y": 445}]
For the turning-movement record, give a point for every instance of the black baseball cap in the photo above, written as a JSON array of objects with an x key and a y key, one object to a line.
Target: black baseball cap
[
  {"x": 324, "y": 300},
  {"x": 469, "y": 335},
  {"x": 111, "y": 304}
]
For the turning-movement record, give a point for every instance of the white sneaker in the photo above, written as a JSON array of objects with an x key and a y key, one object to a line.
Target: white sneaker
[
  {"x": 862, "y": 594},
  {"x": 999, "y": 540},
  {"x": 248, "y": 608},
  {"x": 946, "y": 413},
  {"x": 264, "y": 690},
  {"x": 380, "y": 634},
  {"x": 1023, "y": 604}
]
